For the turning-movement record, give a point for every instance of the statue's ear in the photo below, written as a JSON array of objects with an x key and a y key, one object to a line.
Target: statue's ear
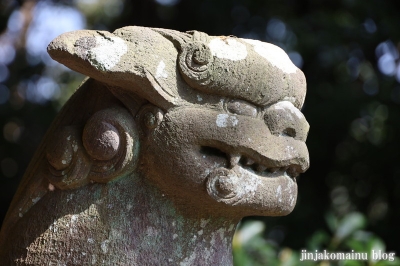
[
  {"x": 93, "y": 139},
  {"x": 106, "y": 148},
  {"x": 149, "y": 118}
]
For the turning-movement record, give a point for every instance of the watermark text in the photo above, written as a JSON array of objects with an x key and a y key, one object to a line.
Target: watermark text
[{"x": 375, "y": 255}]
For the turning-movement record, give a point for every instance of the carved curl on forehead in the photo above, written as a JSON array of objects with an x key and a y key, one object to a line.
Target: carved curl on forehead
[
  {"x": 195, "y": 63},
  {"x": 250, "y": 70}
]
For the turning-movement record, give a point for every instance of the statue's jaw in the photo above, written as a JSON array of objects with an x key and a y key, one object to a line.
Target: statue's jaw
[
  {"x": 272, "y": 194},
  {"x": 264, "y": 185}
]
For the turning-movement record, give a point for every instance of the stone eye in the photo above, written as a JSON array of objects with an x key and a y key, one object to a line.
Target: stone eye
[{"x": 240, "y": 107}]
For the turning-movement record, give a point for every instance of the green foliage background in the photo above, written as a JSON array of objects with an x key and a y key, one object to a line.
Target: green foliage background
[{"x": 349, "y": 51}]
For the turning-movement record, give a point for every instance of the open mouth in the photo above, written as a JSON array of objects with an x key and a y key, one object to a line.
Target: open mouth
[{"x": 265, "y": 167}]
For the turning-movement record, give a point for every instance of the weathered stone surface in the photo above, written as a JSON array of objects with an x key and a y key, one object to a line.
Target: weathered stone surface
[{"x": 157, "y": 156}]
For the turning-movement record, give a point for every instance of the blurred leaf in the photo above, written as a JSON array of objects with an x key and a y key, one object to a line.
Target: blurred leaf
[
  {"x": 318, "y": 240},
  {"x": 247, "y": 231},
  {"x": 353, "y": 263},
  {"x": 332, "y": 221},
  {"x": 349, "y": 224},
  {"x": 358, "y": 241},
  {"x": 288, "y": 257},
  {"x": 395, "y": 262},
  {"x": 375, "y": 244}
]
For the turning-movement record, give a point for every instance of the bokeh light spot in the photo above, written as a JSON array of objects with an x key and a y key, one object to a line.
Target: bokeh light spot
[
  {"x": 43, "y": 30},
  {"x": 387, "y": 65},
  {"x": 369, "y": 25},
  {"x": 167, "y": 2},
  {"x": 7, "y": 53},
  {"x": 9, "y": 167},
  {"x": 12, "y": 131},
  {"x": 4, "y": 94},
  {"x": 4, "y": 73},
  {"x": 296, "y": 58},
  {"x": 15, "y": 21},
  {"x": 276, "y": 29}
]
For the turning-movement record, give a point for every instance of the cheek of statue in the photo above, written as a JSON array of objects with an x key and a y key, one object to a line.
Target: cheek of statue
[{"x": 235, "y": 159}]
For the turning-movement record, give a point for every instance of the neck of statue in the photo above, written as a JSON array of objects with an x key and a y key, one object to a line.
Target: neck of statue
[{"x": 125, "y": 222}]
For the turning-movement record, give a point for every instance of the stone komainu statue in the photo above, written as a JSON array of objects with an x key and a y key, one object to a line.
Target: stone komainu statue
[{"x": 172, "y": 139}]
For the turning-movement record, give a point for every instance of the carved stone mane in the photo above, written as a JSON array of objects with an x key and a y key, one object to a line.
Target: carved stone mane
[{"x": 159, "y": 154}]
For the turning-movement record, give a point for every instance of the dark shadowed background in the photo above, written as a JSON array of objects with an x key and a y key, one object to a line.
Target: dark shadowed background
[{"x": 349, "y": 51}]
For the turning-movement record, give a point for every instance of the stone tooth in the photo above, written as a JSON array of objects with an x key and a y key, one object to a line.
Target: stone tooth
[
  {"x": 234, "y": 159},
  {"x": 249, "y": 161},
  {"x": 261, "y": 168},
  {"x": 284, "y": 169},
  {"x": 273, "y": 169},
  {"x": 292, "y": 172}
]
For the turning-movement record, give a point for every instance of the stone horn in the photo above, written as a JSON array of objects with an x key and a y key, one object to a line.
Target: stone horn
[{"x": 135, "y": 59}]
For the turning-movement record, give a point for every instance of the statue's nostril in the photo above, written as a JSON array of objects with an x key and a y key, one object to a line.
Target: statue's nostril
[
  {"x": 291, "y": 132},
  {"x": 283, "y": 119}
]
